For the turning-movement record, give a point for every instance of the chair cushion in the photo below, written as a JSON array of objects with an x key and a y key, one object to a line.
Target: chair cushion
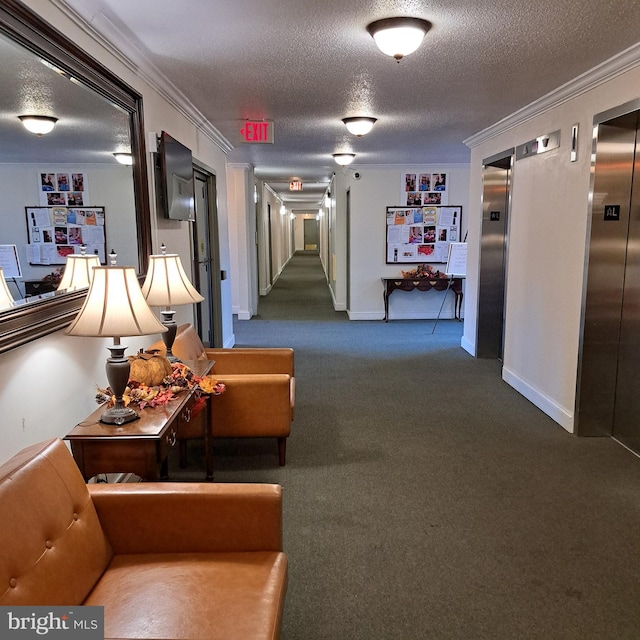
[{"x": 212, "y": 596}]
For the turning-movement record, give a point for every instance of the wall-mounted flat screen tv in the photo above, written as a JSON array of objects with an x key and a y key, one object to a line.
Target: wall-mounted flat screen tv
[{"x": 175, "y": 166}]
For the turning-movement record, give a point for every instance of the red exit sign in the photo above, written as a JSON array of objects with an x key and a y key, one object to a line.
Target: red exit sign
[
  {"x": 295, "y": 185},
  {"x": 257, "y": 131}
]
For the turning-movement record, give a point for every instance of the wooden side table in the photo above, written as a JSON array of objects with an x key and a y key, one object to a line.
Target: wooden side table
[
  {"x": 141, "y": 446},
  {"x": 423, "y": 284}
]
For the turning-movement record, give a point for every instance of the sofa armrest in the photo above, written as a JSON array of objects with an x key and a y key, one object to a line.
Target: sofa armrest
[
  {"x": 253, "y": 405},
  {"x": 189, "y": 517},
  {"x": 252, "y": 360}
]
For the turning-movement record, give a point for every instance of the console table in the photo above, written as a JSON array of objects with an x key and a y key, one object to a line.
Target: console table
[
  {"x": 141, "y": 446},
  {"x": 423, "y": 284}
]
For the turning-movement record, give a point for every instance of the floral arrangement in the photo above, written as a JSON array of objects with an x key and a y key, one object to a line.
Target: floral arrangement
[
  {"x": 54, "y": 278},
  {"x": 422, "y": 271},
  {"x": 181, "y": 378}
]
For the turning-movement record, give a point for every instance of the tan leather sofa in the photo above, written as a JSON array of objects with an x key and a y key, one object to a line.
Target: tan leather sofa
[
  {"x": 259, "y": 400},
  {"x": 165, "y": 560}
]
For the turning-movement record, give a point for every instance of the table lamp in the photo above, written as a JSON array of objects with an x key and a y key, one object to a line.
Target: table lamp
[
  {"x": 166, "y": 285},
  {"x": 78, "y": 271},
  {"x": 115, "y": 307},
  {"x": 6, "y": 299}
]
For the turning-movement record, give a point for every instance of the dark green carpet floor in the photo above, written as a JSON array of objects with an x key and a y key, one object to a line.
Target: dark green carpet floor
[{"x": 423, "y": 497}]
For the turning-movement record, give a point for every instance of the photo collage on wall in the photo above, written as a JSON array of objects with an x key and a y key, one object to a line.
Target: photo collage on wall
[
  {"x": 55, "y": 232},
  {"x": 421, "y": 189},
  {"x": 64, "y": 222},
  {"x": 62, "y": 189},
  {"x": 421, "y": 234}
]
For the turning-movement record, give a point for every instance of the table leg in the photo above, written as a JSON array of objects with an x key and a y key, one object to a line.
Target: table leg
[
  {"x": 207, "y": 425},
  {"x": 385, "y": 297},
  {"x": 458, "y": 306}
]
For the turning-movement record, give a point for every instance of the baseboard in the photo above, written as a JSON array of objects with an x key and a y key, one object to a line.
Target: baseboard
[
  {"x": 417, "y": 315},
  {"x": 337, "y": 306},
  {"x": 468, "y": 346},
  {"x": 244, "y": 315},
  {"x": 557, "y": 413},
  {"x": 365, "y": 315}
]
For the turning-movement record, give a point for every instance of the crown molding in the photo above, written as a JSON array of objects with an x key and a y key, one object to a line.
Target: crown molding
[
  {"x": 240, "y": 165},
  {"x": 404, "y": 168},
  {"x": 116, "y": 43},
  {"x": 268, "y": 188},
  {"x": 600, "y": 74}
]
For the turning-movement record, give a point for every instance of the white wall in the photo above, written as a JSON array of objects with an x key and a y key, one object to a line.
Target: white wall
[
  {"x": 49, "y": 385},
  {"x": 279, "y": 234},
  {"x": 377, "y": 188},
  {"x": 242, "y": 240},
  {"x": 338, "y": 250},
  {"x": 548, "y": 235}
]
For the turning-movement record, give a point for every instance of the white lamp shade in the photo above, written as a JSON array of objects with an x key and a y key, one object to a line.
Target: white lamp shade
[
  {"x": 6, "y": 299},
  {"x": 78, "y": 272},
  {"x": 115, "y": 307},
  {"x": 359, "y": 126},
  {"x": 167, "y": 283},
  {"x": 398, "y": 37}
]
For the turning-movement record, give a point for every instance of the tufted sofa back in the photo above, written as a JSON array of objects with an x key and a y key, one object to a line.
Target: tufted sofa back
[{"x": 52, "y": 547}]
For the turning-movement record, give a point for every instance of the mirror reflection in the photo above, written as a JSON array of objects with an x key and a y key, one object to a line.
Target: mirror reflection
[{"x": 62, "y": 190}]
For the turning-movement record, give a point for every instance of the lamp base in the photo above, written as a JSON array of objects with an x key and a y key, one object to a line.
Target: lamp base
[
  {"x": 118, "y": 369},
  {"x": 118, "y": 416},
  {"x": 169, "y": 336}
]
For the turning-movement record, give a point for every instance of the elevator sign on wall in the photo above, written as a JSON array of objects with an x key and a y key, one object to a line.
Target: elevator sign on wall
[
  {"x": 257, "y": 131},
  {"x": 611, "y": 212}
]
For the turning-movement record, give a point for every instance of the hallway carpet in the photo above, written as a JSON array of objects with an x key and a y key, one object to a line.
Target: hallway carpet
[{"x": 424, "y": 498}]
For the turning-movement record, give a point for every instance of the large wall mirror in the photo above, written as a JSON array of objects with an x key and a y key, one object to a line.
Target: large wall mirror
[{"x": 64, "y": 189}]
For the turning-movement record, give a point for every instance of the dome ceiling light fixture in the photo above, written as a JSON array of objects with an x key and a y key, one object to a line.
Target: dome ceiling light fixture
[
  {"x": 398, "y": 37},
  {"x": 359, "y": 125},
  {"x": 344, "y": 159},
  {"x": 124, "y": 158},
  {"x": 40, "y": 125}
]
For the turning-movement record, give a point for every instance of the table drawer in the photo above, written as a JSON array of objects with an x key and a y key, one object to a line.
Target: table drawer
[{"x": 191, "y": 421}]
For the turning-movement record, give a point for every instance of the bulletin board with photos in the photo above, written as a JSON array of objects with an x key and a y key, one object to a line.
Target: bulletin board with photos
[
  {"x": 55, "y": 232},
  {"x": 421, "y": 234}
]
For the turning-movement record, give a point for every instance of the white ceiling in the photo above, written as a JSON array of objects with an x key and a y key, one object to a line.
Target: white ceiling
[{"x": 306, "y": 65}]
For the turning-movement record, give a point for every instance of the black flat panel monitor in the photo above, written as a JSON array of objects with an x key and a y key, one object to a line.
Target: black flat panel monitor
[{"x": 175, "y": 165}]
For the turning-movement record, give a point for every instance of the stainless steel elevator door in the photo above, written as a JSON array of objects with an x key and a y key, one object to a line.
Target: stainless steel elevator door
[
  {"x": 491, "y": 292},
  {"x": 608, "y": 401}
]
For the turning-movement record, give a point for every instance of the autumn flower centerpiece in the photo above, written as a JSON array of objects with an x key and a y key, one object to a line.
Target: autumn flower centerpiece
[
  {"x": 422, "y": 271},
  {"x": 145, "y": 389}
]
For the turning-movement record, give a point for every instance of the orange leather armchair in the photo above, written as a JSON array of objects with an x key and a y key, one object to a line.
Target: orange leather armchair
[
  {"x": 165, "y": 560},
  {"x": 259, "y": 400}
]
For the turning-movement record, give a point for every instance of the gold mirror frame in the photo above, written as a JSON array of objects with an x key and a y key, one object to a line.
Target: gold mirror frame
[{"x": 23, "y": 324}]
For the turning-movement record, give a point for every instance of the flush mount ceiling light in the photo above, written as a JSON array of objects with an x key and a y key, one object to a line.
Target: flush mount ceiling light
[
  {"x": 124, "y": 158},
  {"x": 398, "y": 37},
  {"x": 40, "y": 125},
  {"x": 360, "y": 125},
  {"x": 344, "y": 158}
]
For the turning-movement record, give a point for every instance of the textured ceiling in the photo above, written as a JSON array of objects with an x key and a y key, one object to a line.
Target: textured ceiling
[
  {"x": 90, "y": 128},
  {"x": 306, "y": 65}
]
